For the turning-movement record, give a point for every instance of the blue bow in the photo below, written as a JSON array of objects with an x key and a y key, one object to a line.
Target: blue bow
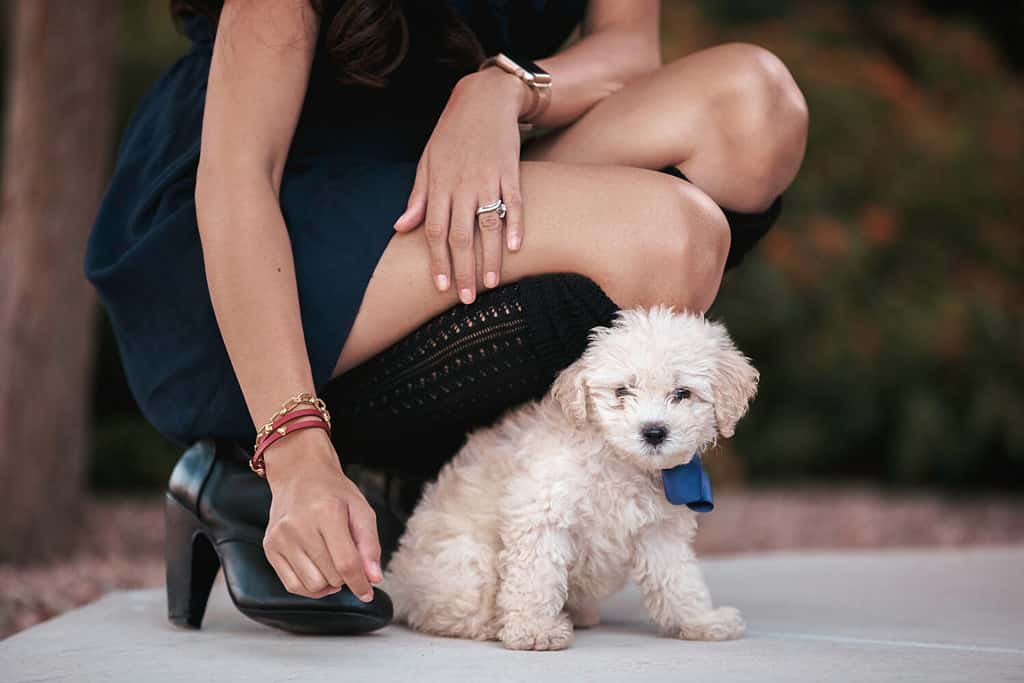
[{"x": 688, "y": 485}]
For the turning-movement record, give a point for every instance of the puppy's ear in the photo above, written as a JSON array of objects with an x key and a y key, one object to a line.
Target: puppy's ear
[
  {"x": 570, "y": 391},
  {"x": 734, "y": 384}
]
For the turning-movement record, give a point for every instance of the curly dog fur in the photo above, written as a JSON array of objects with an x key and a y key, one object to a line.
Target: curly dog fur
[{"x": 547, "y": 512}]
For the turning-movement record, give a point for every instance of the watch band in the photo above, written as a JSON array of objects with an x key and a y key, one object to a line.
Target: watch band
[
  {"x": 541, "y": 84},
  {"x": 536, "y": 78}
]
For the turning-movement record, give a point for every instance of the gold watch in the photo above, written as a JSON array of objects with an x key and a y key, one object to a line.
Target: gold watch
[{"x": 538, "y": 80}]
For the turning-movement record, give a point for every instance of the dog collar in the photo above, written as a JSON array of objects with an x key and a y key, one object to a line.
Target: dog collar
[{"x": 688, "y": 485}]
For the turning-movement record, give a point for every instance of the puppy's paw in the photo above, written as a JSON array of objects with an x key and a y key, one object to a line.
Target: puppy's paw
[
  {"x": 724, "y": 623},
  {"x": 544, "y": 633},
  {"x": 585, "y": 615}
]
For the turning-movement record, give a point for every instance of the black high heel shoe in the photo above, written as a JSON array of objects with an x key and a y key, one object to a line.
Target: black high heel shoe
[{"x": 217, "y": 512}]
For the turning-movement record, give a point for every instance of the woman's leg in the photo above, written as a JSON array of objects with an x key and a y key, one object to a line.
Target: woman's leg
[
  {"x": 644, "y": 237},
  {"x": 419, "y": 368},
  {"x": 730, "y": 117}
]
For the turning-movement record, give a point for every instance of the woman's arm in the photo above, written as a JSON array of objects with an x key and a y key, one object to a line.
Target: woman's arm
[
  {"x": 472, "y": 157},
  {"x": 258, "y": 75},
  {"x": 619, "y": 41}
]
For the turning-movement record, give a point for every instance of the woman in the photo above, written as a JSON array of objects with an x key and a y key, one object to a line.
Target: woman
[{"x": 334, "y": 197}]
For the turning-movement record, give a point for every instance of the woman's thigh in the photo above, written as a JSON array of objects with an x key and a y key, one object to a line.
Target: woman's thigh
[
  {"x": 643, "y": 236},
  {"x": 731, "y": 117}
]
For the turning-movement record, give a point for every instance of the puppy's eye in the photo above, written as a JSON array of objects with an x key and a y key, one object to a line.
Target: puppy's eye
[
  {"x": 622, "y": 391},
  {"x": 681, "y": 394}
]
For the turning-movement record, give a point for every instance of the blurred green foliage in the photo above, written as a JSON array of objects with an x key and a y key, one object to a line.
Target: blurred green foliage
[
  {"x": 149, "y": 43},
  {"x": 885, "y": 309}
]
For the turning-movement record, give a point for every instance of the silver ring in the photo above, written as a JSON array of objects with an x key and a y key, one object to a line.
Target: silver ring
[{"x": 497, "y": 205}]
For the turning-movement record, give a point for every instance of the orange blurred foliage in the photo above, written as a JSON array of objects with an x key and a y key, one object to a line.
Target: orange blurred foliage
[{"x": 879, "y": 224}]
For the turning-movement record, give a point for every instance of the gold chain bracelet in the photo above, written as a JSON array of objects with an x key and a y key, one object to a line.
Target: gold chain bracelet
[{"x": 298, "y": 399}]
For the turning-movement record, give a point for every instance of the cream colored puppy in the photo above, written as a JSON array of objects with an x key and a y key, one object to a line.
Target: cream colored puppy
[{"x": 547, "y": 512}]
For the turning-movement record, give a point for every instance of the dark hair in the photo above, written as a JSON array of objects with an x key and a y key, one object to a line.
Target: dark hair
[{"x": 367, "y": 40}]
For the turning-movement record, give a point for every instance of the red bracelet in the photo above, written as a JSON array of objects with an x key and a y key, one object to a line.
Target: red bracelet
[
  {"x": 281, "y": 429},
  {"x": 289, "y": 416},
  {"x": 281, "y": 419},
  {"x": 291, "y": 405}
]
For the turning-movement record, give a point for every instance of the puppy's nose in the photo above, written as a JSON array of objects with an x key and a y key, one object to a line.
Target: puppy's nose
[{"x": 654, "y": 433}]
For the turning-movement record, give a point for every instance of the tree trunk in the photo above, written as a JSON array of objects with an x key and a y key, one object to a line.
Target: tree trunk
[{"x": 59, "y": 122}]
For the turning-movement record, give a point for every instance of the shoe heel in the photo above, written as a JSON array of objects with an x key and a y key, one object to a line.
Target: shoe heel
[{"x": 192, "y": 565}]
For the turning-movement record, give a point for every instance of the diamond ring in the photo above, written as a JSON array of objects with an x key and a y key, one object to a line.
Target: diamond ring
[{"x": 497, "y": 205}]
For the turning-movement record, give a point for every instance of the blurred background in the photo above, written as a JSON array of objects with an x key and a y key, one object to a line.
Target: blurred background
[{"x": 885, "y": 311}]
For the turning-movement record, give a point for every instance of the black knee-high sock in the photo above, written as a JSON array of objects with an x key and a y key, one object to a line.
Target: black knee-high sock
[{"x": 408, "y": 408}]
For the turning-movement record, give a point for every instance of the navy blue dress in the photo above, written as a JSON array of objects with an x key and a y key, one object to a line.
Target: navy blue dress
[{"x": 348, "y": 176}]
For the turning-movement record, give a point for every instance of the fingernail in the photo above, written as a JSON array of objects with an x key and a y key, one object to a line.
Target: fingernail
[
  {"x": 514, "y": 241},
  {"x": 491, "y": 279},
  {"x": 442, "y": 282},
  {"x": 466, "y": 296},
  {"x": 375, "y": 570},
  {"x": 367, "y": 597}
]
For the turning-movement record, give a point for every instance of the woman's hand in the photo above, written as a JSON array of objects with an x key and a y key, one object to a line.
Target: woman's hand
[
  {"x": 471, "y": 159},
  {"x": 322, "y": 533}
]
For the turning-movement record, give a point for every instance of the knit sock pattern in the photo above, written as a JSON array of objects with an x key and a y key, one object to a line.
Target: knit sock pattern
[{"x": 408, "y": 408}]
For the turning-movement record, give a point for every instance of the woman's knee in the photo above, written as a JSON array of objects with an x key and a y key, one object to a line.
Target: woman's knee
[
  {"x": 682, "y": 261},
  {"x": 762, "y": 121}
]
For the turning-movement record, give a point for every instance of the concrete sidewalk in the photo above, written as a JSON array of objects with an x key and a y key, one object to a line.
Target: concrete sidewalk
[{"x": 932, "y": 615}]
